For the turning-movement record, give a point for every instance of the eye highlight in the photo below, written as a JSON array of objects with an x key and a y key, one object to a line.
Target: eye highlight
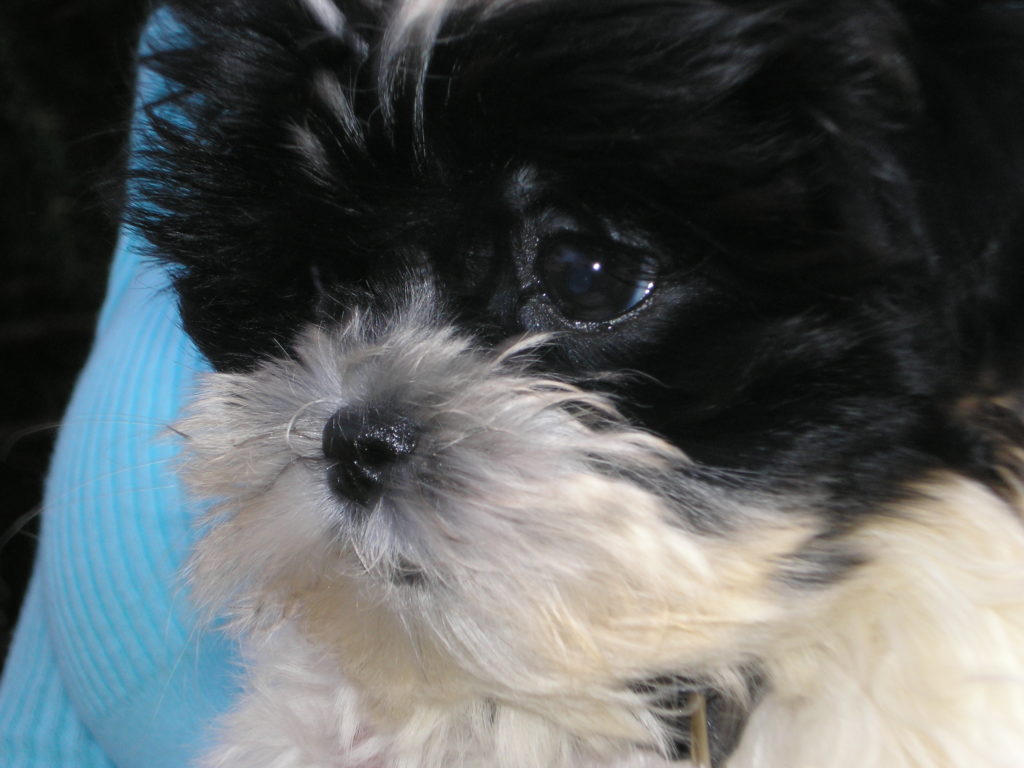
[{"x": 591, "y": 283}]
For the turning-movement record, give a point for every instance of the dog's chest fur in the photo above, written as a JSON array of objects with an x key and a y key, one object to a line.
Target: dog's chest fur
[{"x": 572, "y": 358}]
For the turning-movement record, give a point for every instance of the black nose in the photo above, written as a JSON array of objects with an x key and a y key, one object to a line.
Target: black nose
[{"x": 364, "y": 444}]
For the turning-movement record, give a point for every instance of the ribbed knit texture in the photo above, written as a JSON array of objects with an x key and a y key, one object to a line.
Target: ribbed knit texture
[{"x": 108, "y": 666}]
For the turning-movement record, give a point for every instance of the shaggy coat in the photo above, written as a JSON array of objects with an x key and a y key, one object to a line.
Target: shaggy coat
[{"x": 576, "y": 355}]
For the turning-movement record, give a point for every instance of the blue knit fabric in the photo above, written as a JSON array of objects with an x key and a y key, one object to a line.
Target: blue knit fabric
[{"x": 108, "y": 666}]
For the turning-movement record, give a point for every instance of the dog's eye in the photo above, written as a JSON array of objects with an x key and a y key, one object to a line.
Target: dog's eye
[{"x": 593, "y": 284}]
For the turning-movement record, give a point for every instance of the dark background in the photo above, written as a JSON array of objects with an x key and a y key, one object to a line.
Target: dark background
[{"x": 65, "y": 93}]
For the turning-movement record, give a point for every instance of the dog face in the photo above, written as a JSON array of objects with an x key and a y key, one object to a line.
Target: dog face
[{"x": 574, "y": 355}]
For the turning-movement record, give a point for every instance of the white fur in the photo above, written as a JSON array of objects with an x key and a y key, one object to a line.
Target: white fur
[
  {"x": 299, "y": 712},
  {"x": 327, "y": 14},
  {"x": 412, "y": 31},
  {"x": 917, "y": 661}
]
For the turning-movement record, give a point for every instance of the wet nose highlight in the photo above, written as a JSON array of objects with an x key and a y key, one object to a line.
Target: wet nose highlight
[{"x": 362, "y": 446}]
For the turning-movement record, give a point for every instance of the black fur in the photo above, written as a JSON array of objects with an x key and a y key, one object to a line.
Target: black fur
[{"x": 832, "y": 191}]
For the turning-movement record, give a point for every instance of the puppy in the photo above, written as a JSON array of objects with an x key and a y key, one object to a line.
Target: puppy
[{"x": 603, "y": 382}]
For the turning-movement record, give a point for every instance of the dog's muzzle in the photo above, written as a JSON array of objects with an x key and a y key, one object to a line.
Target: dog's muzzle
[{"x": 510, "y": 536}]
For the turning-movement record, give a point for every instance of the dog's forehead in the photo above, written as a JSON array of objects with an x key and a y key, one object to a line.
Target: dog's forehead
[{"x": 664, "y": 111}]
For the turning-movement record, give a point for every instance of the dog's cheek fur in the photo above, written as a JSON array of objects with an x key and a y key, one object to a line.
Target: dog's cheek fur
[{"x": 915, "y": 660}]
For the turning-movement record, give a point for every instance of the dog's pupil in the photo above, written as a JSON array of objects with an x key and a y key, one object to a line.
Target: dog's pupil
[{"x": 588, "y": 286}]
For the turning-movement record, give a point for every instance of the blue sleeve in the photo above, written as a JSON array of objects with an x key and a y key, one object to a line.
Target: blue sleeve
[{"x": 109, "y": 666}]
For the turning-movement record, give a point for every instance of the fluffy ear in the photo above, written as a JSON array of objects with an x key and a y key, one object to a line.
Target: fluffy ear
[
  {"x": 966, "y": 159},
  {"x": 234, "y": 187},
  {"x": 964, "y": 156},
  {"x": 968, "y": 59}
]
